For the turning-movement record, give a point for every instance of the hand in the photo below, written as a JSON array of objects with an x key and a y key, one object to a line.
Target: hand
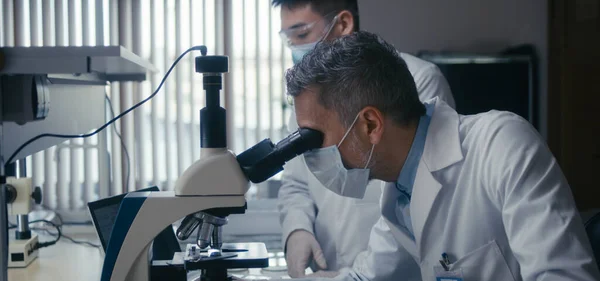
[
  {"x": 301, "y": 245},
  {"x": 324, "y": 274}
]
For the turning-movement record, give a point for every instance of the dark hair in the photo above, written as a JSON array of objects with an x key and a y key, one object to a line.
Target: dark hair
[
  {"x": 355, "y": 71},
  {"x": 324, "y": 7}
]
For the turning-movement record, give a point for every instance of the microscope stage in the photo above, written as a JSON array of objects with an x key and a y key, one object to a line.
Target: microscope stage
[{"x": 234, "y": 255}]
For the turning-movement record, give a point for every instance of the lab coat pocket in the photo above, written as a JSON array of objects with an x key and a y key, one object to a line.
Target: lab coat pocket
[{"x": 484, "y": 263}]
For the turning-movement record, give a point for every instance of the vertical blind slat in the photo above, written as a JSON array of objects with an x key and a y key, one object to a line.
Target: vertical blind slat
[
  {"x": 99, "y": 11},
  {"x": 244, "y": 78},
  {"x": 35, "y": 18},
  {"x": 88, "y": 150},
  {"x": 62, "y": 156},
  {"x": 194, "y": 143},
  {"x": 126, "y": 100},
  {"x": 229, "y": 89},
  {"x": 155, "y": 103},
  {"x": 178, "y": 94},
  {"x": 270, "y": 72},
  {"x": 167, "y": 104},
  {"x": 139, "y": 124},
  {"x": 257, "y": 62},
  {"x": 86, "y": 35},
  {"x": 48, "y": 23},
  {"x": 8, "y": 24},
  {"x": 116, "y": 150},
  {"x": 72, "y": 185}
]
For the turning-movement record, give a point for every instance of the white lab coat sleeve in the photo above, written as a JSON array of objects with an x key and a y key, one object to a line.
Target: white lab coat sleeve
[
  {"x": 297, "y": 209},
  {"x": 431, "y": 83},
  {"x": 544, "y": 229}
]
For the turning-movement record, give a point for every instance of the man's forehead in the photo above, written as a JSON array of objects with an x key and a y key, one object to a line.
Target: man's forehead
[{"x": 296, "y": 16}]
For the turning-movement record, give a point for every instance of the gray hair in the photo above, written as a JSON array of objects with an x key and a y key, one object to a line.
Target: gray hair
[{"x": 356, "y": 71}]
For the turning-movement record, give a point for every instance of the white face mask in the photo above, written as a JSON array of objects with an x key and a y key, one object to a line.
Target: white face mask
[
  {"x": 327, "y": 166},
  {"x": 298, "y": 51}
]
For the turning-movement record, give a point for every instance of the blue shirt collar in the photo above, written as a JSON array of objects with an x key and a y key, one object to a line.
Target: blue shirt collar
[{"x": 408, "y": 173}]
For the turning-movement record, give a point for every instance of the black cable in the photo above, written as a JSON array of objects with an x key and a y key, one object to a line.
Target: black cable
[
  {"x": 85, "y": 243},
  {"x": 49, "y": 243},
  {"x": 202, "y": 49},
  {"x": 58, "y": 227},
  {"x": 123, "y": 146},
  {"x": 69, "y": 238}
]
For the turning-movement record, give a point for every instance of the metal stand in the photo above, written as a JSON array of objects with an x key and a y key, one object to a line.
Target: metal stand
[
  {"x": 3, "y": 224},
  {"x": 23, "y": 231},
  {"x": 3, "y": 208}
]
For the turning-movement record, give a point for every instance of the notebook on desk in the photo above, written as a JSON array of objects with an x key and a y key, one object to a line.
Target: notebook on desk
[{"x": 104, "y": 214}]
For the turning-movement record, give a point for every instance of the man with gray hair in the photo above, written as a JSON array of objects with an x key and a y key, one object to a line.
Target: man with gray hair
[{"x": 476, "y": 197}]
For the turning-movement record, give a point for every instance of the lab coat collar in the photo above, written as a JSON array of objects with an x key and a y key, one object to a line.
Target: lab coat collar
[{"x": 442, "y": 146}]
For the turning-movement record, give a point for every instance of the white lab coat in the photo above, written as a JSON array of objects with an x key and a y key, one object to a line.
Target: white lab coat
[
  {"x": 490, "y": 194},
  {"x": 305, "y": 204}
]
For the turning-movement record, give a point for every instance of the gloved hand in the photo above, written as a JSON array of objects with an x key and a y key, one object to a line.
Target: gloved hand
[
  {"x": 324, "y": 274},
  {"x": 301, "y": 246}
]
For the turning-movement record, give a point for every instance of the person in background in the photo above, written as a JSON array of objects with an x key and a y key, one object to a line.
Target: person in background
[
  {"x": 323, "y": 229},
  {"x": 468, "y": 197}
]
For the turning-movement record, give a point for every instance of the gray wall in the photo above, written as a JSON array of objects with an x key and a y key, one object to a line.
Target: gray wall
[{"x": 462, "y": 25}]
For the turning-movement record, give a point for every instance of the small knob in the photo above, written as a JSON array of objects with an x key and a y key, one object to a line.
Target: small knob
[
  {"x": 11, "y": 194},
  {"x": 37, "y": 195}
]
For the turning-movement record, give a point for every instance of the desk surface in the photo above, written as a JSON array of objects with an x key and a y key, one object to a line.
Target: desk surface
[{"x": 66, "y": 261}]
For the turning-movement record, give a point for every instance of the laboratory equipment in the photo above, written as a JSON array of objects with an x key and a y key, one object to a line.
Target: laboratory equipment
[
  {"x": 206, "y": 193},
  {"x": 480, "y": 83},
  {"x": 48, "y": 90},
  {"x": 20, "y": 196}
]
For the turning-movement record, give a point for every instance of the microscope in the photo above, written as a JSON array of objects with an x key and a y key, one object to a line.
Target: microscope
[
  {"x": 206, "y": 193},
  {"x": 20, "y": 195}
]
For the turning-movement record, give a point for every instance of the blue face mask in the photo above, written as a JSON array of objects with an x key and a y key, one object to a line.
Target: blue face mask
[{"x": 298, "y": 51}]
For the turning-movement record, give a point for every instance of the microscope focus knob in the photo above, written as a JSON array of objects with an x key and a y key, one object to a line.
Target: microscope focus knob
[
  {"x": 37, "y": 195},
  {"x": 11, "y": 194}
]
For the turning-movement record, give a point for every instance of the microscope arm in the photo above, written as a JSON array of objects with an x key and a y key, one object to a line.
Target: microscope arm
[{"x": 257, "y": 164}]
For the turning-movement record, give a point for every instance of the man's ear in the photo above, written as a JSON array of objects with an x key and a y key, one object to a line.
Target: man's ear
[
  {"x": 373, "y": 124},
  {"x": 346, "y": 23}
]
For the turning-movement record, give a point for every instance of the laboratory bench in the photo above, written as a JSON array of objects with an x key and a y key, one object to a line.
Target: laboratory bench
[{"x": 67, "y": 261}]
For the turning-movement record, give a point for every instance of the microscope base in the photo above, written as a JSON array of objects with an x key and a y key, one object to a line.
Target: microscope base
[{"x": 22, "y": 252}]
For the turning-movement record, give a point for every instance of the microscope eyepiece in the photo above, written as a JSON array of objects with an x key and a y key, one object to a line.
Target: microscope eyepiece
[{"x": 265, "y": 159}]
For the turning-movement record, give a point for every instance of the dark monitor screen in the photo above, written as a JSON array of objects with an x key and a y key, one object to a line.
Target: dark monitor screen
[
  {"x": 480, "y": 84},
  {"x": 104, "y": 214}
]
